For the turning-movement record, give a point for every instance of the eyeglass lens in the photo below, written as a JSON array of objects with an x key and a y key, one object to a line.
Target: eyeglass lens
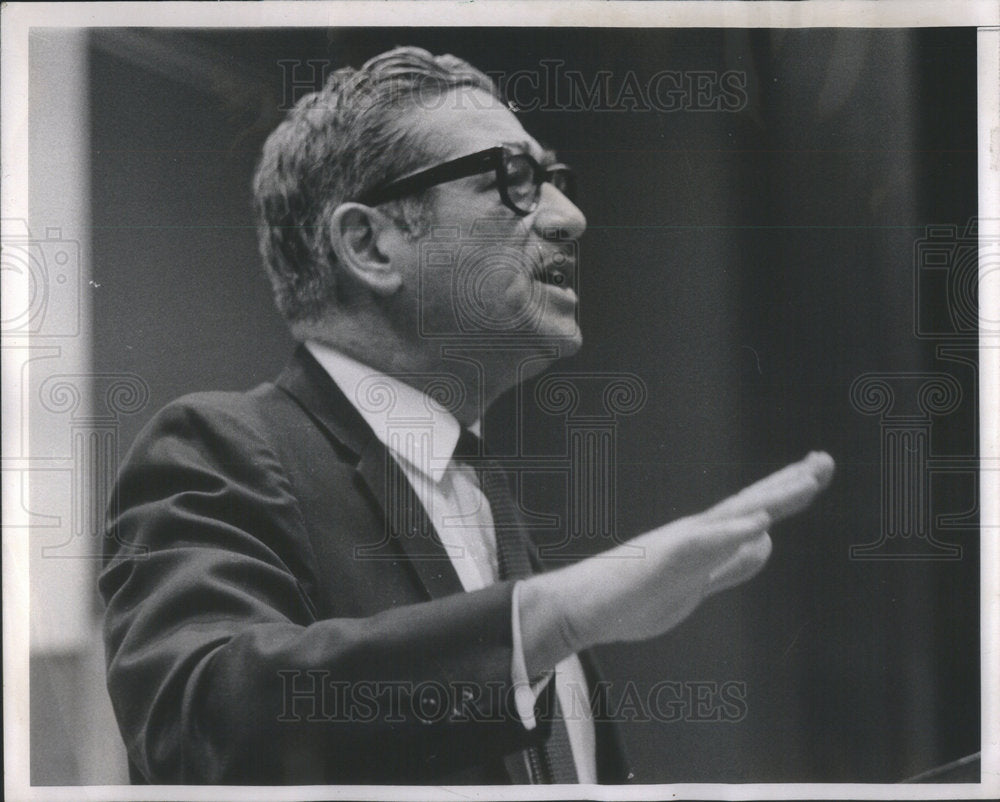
[{"x": 524, "y": 180}]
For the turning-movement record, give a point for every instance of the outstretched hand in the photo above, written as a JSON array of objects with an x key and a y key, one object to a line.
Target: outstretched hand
[{"x": 625, "y": 595}]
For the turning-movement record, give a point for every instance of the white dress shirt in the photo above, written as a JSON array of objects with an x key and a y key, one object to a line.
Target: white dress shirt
[{"x": 421, "y": 436}]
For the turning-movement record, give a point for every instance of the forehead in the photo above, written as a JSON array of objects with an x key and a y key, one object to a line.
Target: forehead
[{"x": 466, "y": 120}]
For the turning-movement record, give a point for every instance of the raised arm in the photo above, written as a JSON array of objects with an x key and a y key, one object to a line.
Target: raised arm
[{"x": 617, "y": 596}]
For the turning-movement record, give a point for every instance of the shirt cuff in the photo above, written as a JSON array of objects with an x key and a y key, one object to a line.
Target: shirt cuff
[{"x": 525, "y": 693}]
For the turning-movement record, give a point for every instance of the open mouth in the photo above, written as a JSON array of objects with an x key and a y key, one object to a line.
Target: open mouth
[{"x": 558, "y": 272}]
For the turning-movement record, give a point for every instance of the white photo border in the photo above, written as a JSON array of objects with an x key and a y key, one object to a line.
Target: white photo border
[{"x": 19, "y": 18}]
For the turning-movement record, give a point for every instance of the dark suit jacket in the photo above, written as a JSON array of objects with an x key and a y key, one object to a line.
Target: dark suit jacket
[{"x": 280, "y": 610}]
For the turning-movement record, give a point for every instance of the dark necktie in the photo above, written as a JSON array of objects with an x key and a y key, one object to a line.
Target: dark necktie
[{"x": 553, "y": 761}]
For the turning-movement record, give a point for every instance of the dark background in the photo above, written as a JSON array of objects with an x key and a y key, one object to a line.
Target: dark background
[{"x": 748, "y": 266}]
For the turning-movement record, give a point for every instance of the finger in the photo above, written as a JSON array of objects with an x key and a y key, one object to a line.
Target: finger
[
  {"x": 795, "y": 499},
  {"x": 817, "y": 464},
  {"x": 710, "y": 546},
  {"x": 823, "y": 468},
  {"x": 773, "y": 493},
  {"x": 787, "y": 489},
  {"x": 749, "y": 559}
]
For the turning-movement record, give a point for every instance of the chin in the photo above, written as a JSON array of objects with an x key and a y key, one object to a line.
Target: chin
[
  {"x": 566, "y": 343},
  {"x": 570, "y": 345},
  {"x": 564, "y": 334}
]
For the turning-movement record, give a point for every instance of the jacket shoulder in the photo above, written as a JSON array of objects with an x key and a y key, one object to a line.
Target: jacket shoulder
[{"x": 251, "y": 417}]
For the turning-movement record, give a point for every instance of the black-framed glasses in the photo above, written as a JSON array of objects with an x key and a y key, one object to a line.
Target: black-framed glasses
[{"x": 519, "y": 179}]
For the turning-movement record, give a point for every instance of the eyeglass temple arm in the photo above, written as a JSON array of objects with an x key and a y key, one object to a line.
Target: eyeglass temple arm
[{"x": 449, "y": 171}]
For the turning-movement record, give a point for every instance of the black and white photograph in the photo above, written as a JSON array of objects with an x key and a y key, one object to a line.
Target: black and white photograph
[{"x": 579, "y": 400}]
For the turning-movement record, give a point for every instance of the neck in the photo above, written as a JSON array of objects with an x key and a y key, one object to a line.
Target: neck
[{"x": 473, "y": 378}]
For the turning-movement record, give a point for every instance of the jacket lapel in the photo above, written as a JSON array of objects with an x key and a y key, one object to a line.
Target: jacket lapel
[
  {"x": 408, "y": 529},
  {"x": 407, "y": 525}
]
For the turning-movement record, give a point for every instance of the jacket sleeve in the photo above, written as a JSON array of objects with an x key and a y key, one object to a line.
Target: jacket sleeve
[{"x": 220, "y": 672}]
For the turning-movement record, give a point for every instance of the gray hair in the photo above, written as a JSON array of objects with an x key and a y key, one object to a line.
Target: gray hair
[{"x": 334, "y": 144}]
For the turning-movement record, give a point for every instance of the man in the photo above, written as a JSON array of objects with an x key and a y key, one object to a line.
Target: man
[{"x": 326, "y": 579}]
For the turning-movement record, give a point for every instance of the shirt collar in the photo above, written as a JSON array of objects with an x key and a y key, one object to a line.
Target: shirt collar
[{"x": 413, "y": 426}]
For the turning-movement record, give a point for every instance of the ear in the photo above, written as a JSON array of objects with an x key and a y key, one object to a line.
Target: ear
[{"x": 362, "y": 237}]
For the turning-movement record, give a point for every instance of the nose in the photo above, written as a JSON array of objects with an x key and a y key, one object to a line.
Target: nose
[{"x": 557, "y": 216}]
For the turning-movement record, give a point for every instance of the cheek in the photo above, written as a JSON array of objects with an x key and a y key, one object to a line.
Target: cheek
[
  {"x": 498, "y": 297},
  {"x": 510, "y": 282},
  {"x": 489, "y": 274},
  {"x": 514, "y": 293},
  {"x": 465, "y": 210}
]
